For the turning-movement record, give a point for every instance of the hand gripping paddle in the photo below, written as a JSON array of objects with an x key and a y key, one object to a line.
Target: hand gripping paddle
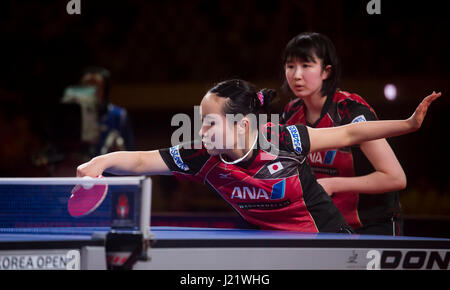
[{"x": 86, "y": 198}]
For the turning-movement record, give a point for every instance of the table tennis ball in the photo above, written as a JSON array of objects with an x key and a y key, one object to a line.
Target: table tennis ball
[{"x": 88, "y": 185}]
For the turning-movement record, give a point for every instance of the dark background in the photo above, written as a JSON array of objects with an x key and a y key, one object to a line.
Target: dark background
[{"x": 164, "y": 55}]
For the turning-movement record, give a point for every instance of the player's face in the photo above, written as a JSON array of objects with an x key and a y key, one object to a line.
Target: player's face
[
  {"x": 305, "y": 78},
  {"x": 215, "y": 130}
]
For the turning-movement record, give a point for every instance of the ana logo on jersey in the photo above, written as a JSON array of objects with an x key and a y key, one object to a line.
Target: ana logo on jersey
[
  {"x": 278, "y": 192},
  {"x": 175, "y": 152},
  {"x": 316, "y": 157}
]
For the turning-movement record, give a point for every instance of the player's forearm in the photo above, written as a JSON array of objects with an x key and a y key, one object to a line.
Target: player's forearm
[
  {"x": 125, "y": 163},
  {"x": 372, "y": 130},
  {"x": 357, "y": 133},
  {"x": 121, "y": 162},
  {"x": 343, "y": 136},
  {"x": 135, "y": 163},
  {"x": 374, "y": 183}
]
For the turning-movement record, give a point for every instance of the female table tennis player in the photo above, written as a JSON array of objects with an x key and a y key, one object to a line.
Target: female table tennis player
[
  {"x": 270, "y": 191},
  {"x": 361, "y": 180}
]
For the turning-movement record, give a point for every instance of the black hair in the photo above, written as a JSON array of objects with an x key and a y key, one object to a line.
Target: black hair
[
  {"x": 106, "y": 76},
  {"x": 242, "y": 97},
  {"x": 304, "y": 46}
]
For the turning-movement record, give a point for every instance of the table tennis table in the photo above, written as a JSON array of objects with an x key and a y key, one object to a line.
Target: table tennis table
[
  {"x": 32, "y": 236},
  {"x": 185, "y": 248}
]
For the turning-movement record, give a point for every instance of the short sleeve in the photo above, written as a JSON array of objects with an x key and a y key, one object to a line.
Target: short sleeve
[
  {"x": 293, "y": 138},
  {"x": 187, "y": 158},
  {"x": 290, "y": 109},
  {"x": 357, "y": 112}
]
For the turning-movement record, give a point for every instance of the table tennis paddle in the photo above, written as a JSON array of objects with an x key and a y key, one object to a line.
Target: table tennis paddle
[{"x": 86, "y": 198}]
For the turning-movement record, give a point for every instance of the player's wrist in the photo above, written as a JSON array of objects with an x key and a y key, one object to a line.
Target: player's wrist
[
  {"x": 411, "y": 124},
  {"x": 101, "y": 162}
]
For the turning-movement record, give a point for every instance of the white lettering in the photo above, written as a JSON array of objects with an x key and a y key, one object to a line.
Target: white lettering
[
  {"x": 73, "y": 7},
  {"x": 175, "y": 152},
  {"x": 73, "y": 260},
  {"x": 192, "y": 280},
  {"x": 315, "y": 157},
  {"x": 374, "y": 7},
  {"x": 373, "y": 264},
  {"x": 184, "y": 131},
  {"x": 238, "y": 193},
  {"x": 250, "y": 193},
  {"x": 262, "y": 193}
]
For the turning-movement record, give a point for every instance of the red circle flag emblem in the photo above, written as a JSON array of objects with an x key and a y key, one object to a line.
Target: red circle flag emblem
[{"x": 275, "y": 167}]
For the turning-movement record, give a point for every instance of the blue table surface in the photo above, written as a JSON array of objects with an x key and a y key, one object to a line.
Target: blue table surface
[{"x": 185, "y": 233}]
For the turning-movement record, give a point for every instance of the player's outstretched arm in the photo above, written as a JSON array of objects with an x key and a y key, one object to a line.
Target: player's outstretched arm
[
  {"x": 338, "y": 137},
  {"x": 125, "y": 163}
]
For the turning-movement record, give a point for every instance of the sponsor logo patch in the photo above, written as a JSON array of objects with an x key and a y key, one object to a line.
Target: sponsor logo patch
[
  {"x": 295, "y": 135},
  {"x": 175, "y": 153},
  {"x": 360, "y": 118}
]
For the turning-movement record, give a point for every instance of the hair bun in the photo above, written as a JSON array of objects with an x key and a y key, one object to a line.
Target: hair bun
[
  {"x": 269, "y": 96},
  {"x": 243, "y": 97}
]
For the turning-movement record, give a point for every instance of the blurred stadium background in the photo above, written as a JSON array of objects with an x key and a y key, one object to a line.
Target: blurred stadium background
[{"x": 164, "y": 55}]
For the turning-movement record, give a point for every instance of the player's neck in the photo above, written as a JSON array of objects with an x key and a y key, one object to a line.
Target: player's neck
[
  {"x": 243, "y": 154},
  {"x": 314, "y": 105}
]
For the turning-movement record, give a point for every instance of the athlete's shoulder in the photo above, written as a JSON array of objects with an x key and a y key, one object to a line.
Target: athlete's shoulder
[
  {"x": 291, "y": 109},
  {"x": 344, "y": 96},
  {"x": 291, "y": 138},
  {"x": 351, "y": 104},
  {"x": 187, "y": 158}
]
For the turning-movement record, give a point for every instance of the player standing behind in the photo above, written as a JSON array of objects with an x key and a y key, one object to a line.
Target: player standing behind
[{"x": 362, "y": 180}]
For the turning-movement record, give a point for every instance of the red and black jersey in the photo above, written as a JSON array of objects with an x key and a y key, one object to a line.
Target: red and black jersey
[
  {"x": 274, "y": 189},
  {"x": 345, "y": 108}
]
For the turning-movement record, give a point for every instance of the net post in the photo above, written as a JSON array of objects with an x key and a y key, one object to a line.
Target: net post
[{"x": 144, "y": 216}]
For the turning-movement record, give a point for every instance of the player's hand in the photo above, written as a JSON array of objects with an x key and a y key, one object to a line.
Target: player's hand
[
  {"x": 327, "y": 184},
  {"x": 93, "y": 168},
  {"x": 417, "y": 118}
]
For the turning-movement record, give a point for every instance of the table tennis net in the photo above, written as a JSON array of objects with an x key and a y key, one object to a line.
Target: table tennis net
[{"x": 34, "y": 206}]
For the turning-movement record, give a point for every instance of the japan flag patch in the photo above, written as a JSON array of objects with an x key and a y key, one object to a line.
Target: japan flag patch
[{"x": 275, "y": 167}]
